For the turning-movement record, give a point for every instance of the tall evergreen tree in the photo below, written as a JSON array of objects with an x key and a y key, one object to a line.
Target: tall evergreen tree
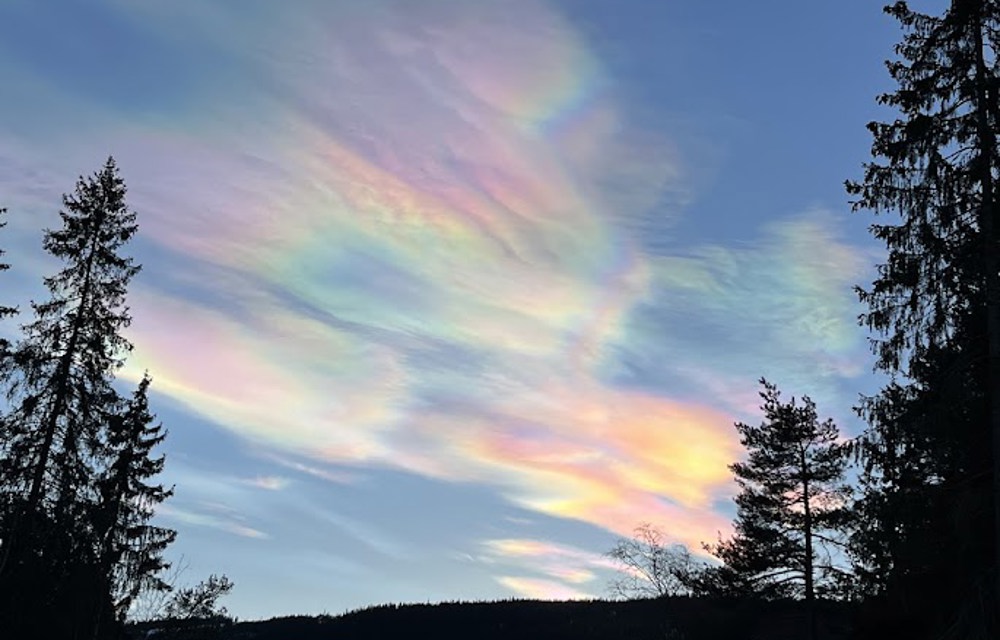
[
  {"x": 790, "y": 508},
  {"x": 65, "y": 435},
  {"x": 67, "y": 358},
  {"x": 130, "y": 548},
  {"x": 934, "y": 434}
]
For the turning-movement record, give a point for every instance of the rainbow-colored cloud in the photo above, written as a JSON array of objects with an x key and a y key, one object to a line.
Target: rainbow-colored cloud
[
  {"x": 431, "y": 237},
  {"x": 414, "y": 265}
]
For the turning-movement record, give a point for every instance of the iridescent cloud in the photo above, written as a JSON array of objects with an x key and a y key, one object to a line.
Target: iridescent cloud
[
  {"x": 559, "y": 567},
  {"x": 781, "y": 306},
  {"x": 410, "y": 235},
  {"x": 414, "y": 265}
]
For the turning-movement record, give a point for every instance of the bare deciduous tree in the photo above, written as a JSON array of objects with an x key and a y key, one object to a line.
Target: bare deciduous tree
[
  {"x": 152, "y": 605},
  {"x": 650, "y": 567}
]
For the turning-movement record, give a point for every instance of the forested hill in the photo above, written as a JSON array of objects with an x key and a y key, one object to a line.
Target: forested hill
[{"x": 660, "y": 619}]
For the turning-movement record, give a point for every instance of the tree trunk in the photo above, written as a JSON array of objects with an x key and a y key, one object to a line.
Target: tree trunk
[
  {"x": 807, "y": 567},
  {"x": 63, "y": 373}
]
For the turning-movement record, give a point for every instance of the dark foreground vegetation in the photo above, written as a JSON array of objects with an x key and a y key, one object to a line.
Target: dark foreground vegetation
[
  {"x": 678, "y": 618},
  {"x": 910, "y": 550}
]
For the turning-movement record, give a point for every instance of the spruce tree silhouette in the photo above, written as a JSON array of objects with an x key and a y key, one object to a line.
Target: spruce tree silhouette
[
  {"x": 74, "y": 456},
  {"x": 929, "y": 540},
  {"x": 130, "y": 549}
]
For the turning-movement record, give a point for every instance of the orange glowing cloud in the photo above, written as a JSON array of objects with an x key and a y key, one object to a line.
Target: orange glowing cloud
[{"x": 614, "y": 458}]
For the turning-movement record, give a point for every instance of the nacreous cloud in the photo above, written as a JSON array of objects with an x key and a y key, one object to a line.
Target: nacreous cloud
[
  {"x": 406, "y": 238},
  {"x": 555, "y": 571}
]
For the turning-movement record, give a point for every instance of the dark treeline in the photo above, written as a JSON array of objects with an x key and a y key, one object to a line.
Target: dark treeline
[
  {"x": 910, "y": 549},
  {"x": 677, "y": 618}
]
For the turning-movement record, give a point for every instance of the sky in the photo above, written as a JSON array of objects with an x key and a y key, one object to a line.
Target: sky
[{"x": 441, "y": 297}]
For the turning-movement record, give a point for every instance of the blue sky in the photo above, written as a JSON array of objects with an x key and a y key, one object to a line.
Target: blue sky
[{"x": 442, "y": 297}]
